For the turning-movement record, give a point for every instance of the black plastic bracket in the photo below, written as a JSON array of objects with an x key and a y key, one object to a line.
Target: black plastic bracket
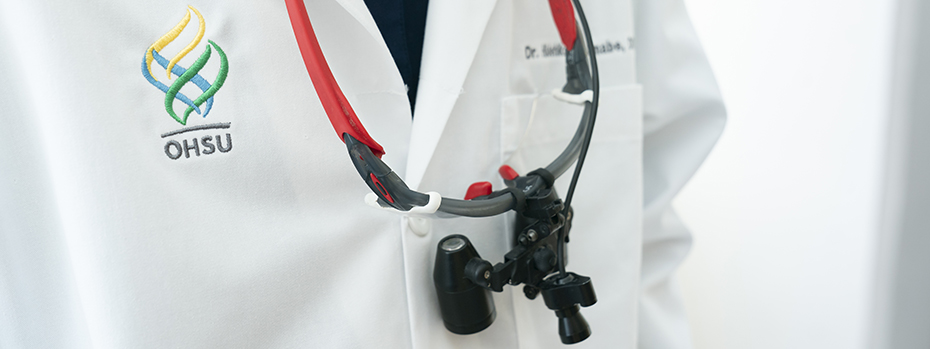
[
  {"x": 578, "y": 79},
  {"x": 390, "y": 189}
]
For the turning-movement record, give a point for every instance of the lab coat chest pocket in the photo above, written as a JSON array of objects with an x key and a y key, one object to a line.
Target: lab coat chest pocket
[
  {"x": 535, "y": 128},
  {"x": 606, "y": 234}
]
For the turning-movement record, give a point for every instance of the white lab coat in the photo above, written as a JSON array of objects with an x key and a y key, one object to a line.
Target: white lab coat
[{"x": 107, "y": 242}]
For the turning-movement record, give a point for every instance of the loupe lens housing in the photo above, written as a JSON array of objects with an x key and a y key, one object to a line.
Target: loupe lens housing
[{"x": 564, "y": 294}]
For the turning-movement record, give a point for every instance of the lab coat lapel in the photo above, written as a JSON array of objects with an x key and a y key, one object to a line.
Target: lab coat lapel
[
  {"x": 453, "y": 33},
  {"x": 359, "y": 10},
  {"x": 369, "y": 78}
]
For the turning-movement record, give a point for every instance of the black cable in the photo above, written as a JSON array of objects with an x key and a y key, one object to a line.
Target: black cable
[{"x": 595, "y": 88}]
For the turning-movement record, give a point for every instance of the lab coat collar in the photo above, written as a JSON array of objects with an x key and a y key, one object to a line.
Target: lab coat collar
[{"x": 452, "y": 36}]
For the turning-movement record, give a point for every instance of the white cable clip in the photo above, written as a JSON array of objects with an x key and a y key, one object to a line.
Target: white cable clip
[
  {"x": 431, "y": 206},
  {"x": 580, "y": 99}
]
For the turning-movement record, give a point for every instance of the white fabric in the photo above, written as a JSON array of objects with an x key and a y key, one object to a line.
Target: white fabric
[
  {"x": 107, "y": 242},
  {"x": 683, "y": 117}
]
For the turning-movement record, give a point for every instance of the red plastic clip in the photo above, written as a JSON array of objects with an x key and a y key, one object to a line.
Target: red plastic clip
[
  {"x": 508, "y": 172},
  {"x": 478, "y": 189}
]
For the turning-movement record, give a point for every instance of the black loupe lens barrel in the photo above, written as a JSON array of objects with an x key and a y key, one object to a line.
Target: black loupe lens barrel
[
  {"x": 573, "y": 328},
  {"x": 466, "y": 307}
]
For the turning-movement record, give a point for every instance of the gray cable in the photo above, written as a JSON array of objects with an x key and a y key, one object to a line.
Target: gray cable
[{"x": 504, "y": 203}]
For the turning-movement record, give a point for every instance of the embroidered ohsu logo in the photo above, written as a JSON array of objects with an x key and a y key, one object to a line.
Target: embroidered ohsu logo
[{"x": 191, "y": 76}]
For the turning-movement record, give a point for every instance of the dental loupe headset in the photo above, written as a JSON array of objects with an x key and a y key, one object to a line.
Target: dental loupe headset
[{"x": 463, "y": 280}]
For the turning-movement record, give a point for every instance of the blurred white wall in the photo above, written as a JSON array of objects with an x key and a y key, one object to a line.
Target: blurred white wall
[{"x": 785, "y": 211}]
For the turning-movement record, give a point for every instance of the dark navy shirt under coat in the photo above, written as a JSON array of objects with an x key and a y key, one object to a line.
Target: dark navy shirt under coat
[{"x": 402, "y": 23}]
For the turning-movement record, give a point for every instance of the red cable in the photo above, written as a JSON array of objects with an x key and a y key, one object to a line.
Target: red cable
[
  {"x": 564, "y": 15},
  {"x": 337, "y": 108}
]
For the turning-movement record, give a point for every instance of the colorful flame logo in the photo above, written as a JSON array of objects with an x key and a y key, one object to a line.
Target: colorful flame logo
[{"x": 185, "y": 75}]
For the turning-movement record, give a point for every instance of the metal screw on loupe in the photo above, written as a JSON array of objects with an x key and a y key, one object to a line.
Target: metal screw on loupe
[{"x": 532, "y": 235}]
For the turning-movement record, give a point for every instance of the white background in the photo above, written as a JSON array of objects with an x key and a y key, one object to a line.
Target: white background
[{"x": 785, "y": 210}]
